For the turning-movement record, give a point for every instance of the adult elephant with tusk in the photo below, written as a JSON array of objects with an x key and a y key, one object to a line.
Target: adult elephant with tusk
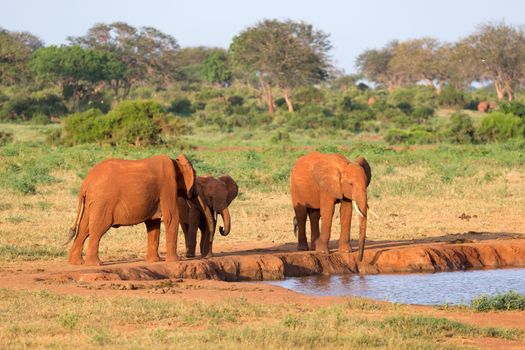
[
  {"x": 317, "y": 183},
  {"x": 217, "y": 195},
  {"x": 118, "y": 192}
]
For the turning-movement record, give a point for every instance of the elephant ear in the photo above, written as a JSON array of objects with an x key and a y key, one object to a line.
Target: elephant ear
[
  {"x": 231, "y": 186},
  {"x": 185, "y": 175},
  {"x": 328, "y": 177},
  {"x": 366, "y": 167}
]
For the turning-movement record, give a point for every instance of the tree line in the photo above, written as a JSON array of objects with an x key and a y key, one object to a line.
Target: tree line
[{"x": 112, "y": 59}]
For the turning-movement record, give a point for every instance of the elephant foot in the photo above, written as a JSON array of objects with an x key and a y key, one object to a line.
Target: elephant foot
[
  {"x": 76, "y": 261},
  {"x": 344, "y": 249},
  {"x": 93, "y": 262},
  {"x": 209, "y": 255},
  {"x": 302, "y": 247},
  {"x": 172, "y": 258},
  {"x": 153, "y": 259},
  {"x": 322, "y": 249}
]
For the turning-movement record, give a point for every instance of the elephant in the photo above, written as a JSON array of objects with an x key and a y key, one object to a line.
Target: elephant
[
  {"x": 318, "y": 182},
  {"x": 118, "y": 192},
  {"x": 217, "y": 195}
]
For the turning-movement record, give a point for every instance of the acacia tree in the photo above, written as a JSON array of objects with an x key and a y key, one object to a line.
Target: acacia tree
[
  {"x": 148, "y": 54},
  {"x": 497, "y": 52},
  {"x": 282, "y": 54},
  {"x": 375, "y": 65},
  {"x": 16, "y": 49},
  {"x": 215, "y": 68},
  {"x": 75, "y": 69}
]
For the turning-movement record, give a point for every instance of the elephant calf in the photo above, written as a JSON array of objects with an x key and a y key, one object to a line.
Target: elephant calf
[{"x": 217, "y": 195}]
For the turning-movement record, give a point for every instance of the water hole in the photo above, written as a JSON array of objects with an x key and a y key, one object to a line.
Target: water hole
[{"x": 458, "y": 287}]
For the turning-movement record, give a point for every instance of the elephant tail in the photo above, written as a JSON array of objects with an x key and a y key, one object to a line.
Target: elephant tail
[
  {"x": 73, "y": 230},
  {"x": 295, "y": 226}
]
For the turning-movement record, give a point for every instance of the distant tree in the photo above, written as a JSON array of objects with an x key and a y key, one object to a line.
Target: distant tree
[
  {"x": 496, "y": 52},
  {"x": 215, "y": 68},
  {"x": 148, "y": 54},
  {"x": 375, "y": 65},
  {"x": 284, "y": 54},
  {"x": 75, "y": 69},
  {"x": 16, "y": 49}
]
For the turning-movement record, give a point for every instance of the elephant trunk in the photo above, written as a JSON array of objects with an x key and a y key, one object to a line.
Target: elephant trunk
[
  {"x": 209, "y": 217},
  {"x": 361, "y": 207},
  {"x": 226, "y": 219}
]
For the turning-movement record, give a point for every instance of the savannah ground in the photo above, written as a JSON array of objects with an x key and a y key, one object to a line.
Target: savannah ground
[{"x": 436, "y": 192}]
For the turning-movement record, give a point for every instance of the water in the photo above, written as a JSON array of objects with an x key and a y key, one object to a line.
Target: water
[{"x": 458, "y": 287}]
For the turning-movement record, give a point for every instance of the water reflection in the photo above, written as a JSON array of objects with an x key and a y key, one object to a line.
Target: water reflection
[{"x": 438, "y": 288}]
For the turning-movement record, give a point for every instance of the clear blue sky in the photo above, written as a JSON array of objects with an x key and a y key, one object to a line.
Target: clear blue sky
[{"x": 353, "y": 25}]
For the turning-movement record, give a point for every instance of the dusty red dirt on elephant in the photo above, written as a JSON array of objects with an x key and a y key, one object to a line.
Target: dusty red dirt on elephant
[{"x": 205, "y": 279}]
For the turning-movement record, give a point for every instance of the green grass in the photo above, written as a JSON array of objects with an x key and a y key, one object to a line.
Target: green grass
[
  {"x": 44, "y": 319},
  {"x": 502, "y": 301},
  {"x": 14, "y": 253}
]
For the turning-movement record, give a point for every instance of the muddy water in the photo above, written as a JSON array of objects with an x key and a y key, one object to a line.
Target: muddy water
[{"x": 437, "y": 288}]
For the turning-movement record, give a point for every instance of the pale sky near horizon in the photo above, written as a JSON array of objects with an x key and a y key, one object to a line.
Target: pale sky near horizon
[{"x": 354, "y": 26}]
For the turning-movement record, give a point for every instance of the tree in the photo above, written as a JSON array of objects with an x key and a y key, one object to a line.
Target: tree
[
  {"x": 283, "y": 54},
  {"x": 497, "y": 52},
  {"x": 76, "y": 70},
  {"x": 215, "y": 68},
  {"x": 16, "y": 49},
  {"x": 375, "y": 65},
  {"x": 148, "y": 54}
]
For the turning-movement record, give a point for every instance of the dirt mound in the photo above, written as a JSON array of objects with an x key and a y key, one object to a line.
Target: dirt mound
[{"x": 431, "y": 257}]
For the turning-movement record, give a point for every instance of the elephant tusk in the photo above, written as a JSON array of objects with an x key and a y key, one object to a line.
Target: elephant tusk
[
  {"x": 372, "y": 212},
  {"x": 357, "y": 208}
]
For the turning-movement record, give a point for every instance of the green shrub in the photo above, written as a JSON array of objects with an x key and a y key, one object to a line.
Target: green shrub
[
  {"x": 417, "y": 136},
  {"x": 136, "y": 122},
  {"x": 24, "y": 107},
  {"x": 40, "y": 119},
  {"x": 460, "y": 129},
  {"x": 513, "y": 107},
  {"x": 499, "y": 127},
  {"x": 5, "y": 137},
  {"x": 181, "y": 106},
  {"x": 422, "y": 114},
  {"x": 451, "y": 97},
  {"x": 502, "y": 301}
]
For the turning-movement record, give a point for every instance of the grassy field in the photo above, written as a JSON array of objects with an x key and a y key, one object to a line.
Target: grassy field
[{"x": 43, "y": 319}]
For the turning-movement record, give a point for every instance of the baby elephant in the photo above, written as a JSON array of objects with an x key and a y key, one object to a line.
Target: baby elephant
[{"x": 217, "y": 195}]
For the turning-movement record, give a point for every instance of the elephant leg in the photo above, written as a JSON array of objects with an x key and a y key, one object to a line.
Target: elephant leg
[
  {"x": 172, "y": 230},
  {"x": 153, "y": 228},
  {"x": 190, "y": 236},
  {"x": 300, "y": 215},
  {"x": 98, "y": 225},
  {"x": 206, "y": 246},
  {"x": 75, "y": 254},
  {"x": 327, "y": 213},
  {"x": 314, "y": 215},
  {"x": 346, "y": 220}
]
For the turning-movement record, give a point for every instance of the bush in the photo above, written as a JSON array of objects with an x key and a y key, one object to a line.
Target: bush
[
  {"x": 5, "y": 138},
  {"x": 451, "y": 97},
  {"x": 499, "y": 127},
  {"x": 503, "y": 301},
  {"x": 422, "y": 114},
  {"x": 25, "y": 107},
  {"x": 40, "y": 119},
  {"x": 513, "y": 107},
  {"x": 137, "y": 122},
  {"x": 460, "y": 129},
  {"x": 415, "y": 136},
  {"x": 181, "y": 106}
]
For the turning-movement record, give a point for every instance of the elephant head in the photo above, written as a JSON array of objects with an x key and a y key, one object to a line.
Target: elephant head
[
  {"x": 187, "y": 188},
  {"x": 346, "y": 180},
  {"x": 217, "y": 195}
]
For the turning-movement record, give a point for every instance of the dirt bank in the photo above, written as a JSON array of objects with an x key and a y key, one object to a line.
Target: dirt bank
[{"x": 273, "y": 265}]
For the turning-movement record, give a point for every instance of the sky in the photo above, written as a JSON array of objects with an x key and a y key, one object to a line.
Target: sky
[{"x": 354, "y": 26}]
